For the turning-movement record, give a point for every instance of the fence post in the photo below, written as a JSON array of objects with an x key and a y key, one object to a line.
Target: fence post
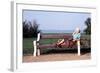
[
  {"x": 38, "y": 52},
  {"x": 38, "y": 37},
  {"x": 35, "y": 48},
  {"x": 78, "y": 46}
]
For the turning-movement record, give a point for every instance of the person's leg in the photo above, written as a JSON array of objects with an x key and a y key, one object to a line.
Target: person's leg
[
  {"x": 60, "y": 45},
  {"x": 63, "y": 44},
  {"x": 58, "y": 42}
]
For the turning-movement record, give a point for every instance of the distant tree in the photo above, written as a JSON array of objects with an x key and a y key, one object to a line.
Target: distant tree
[
  {"x": 35, "y": 29},
  {"x": 30, "y": 29},
  {"x": 25, "y": 29},
  {"x": 88, "y": 24}
]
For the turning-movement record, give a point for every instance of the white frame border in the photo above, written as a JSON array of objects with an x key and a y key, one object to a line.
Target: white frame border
[{"x": 16, "y": 59}]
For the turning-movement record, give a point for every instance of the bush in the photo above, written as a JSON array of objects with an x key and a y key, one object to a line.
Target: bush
[
  {"x": 30, "y": 29},
  {"x": 88, "y": 24}
]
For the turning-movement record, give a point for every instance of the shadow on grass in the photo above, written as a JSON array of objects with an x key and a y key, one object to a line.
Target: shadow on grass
[{"x": 71, "y": 51}]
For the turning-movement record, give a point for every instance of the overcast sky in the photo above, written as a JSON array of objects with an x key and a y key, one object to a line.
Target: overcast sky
[{"x": 50, "y": 20}]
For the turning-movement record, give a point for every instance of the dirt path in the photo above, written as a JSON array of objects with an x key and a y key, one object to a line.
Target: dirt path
[{"x": 56, "y": 57}]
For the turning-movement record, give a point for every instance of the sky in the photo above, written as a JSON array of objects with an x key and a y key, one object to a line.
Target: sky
[{"x": 50, "y": 20}]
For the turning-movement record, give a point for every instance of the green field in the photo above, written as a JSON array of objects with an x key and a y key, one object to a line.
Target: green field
[{"x": 28, "y": 43}]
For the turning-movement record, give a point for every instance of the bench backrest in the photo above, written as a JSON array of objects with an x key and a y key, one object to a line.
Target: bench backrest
[{"x": 53, "y": 36}]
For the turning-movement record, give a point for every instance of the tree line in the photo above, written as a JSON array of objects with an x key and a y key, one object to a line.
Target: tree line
[
  {"x": 30, "y": 29},
  {"x": 87, "y": 22}
]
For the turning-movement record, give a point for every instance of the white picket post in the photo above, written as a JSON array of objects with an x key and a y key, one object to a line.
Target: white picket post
[
  {"x": 78, "y": 47},
  {"x": 38, "y": 39},
  {"x": 35, "y": 48},
  {"x": 38, "y": 52}
]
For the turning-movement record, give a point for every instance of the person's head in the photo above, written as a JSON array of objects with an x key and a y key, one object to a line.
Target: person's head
[{"x": 77, "y": 30}]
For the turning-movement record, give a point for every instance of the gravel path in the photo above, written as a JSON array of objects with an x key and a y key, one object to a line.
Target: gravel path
[{"x": 56, "y": 57}]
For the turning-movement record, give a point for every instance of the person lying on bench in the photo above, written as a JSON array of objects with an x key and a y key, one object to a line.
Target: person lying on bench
[
  {"x": 76, "y": 37},
  {"x": 60, "y": 42}
]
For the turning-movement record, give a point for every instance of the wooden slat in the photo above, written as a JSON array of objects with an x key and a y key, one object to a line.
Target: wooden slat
[
  {"x": 57, "y": 36},
  {"x": 44, "y": 46}
]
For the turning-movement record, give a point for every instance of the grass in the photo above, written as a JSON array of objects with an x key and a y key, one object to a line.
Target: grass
[{"x": 28, "y": 43}]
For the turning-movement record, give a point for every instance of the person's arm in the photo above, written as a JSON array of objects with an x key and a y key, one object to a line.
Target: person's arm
[{"x": 73, "y": 33}]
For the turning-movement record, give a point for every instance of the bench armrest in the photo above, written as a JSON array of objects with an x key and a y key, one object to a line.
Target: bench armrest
[{"x": 38, "y": 37}]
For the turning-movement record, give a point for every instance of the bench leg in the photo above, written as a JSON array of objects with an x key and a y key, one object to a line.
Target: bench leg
[
  {"x": 38, "y": 52},
  {"x": 78, "y": 46},
  {"x": 35, "y": 48}
]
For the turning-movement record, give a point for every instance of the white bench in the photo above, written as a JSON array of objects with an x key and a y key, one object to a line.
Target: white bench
[{"x": 37, "y": 46}]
